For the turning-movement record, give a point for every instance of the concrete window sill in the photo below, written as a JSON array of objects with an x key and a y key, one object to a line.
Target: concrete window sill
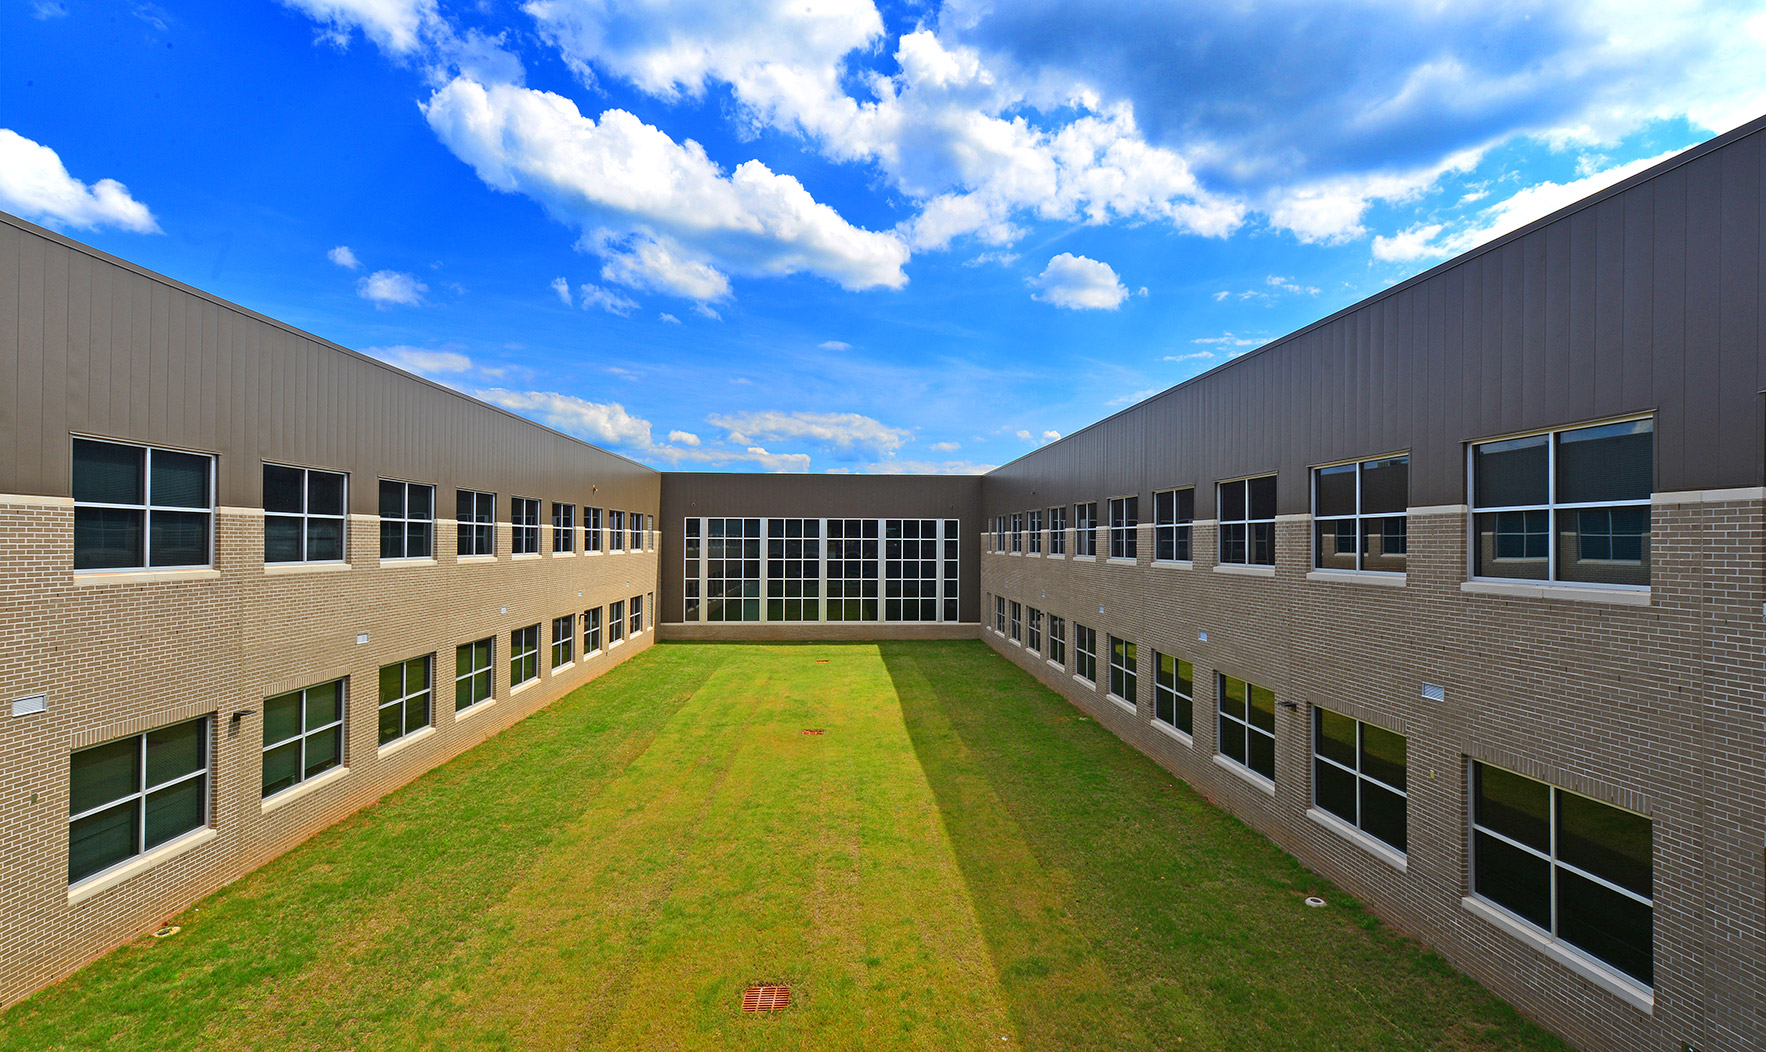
[
  {"x": 1124, "y": 704},
  {"x": 289, "y": 569},
  {"x": 1373, "y": 845},
  {"x": 306, "y": 788},
  {"x": 395, "y": 563},
  {"x": 1617, "y": 983},
  {"x": 1382, "y": 580},
  {"x": 1244, "y": 571},
  {"x": 1246, "y": 773},
  {"x": 129, "y": 870},
  {"x": 466, "y": 714},
  {"x": 1171, "y": 732},
  {"x": 1554, "y": 590},
  {"x": 404, "y": 743},
  {"x": 87, "y": 580}
]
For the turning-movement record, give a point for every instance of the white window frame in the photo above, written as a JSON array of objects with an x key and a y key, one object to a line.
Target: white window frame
[
  {"x": 1033, "y": 531},
  {"x": 524, "y": 525},
  {"x": 1033, "y": 630},
  {"x": 406, "y": 695},
  {"x": 143, "y": 790},
  {"x": 1085, "y": 651},
  {"x": 465, "y": 528},
  {"x": 1121, "y": 675},
  {"x": 615, "y": 530},
  {"x": 488, "y": 671},
  {"x": 1058, "y": 530},
  {"x": 147, "y": 507},
  {"x": 1176, "y": 529},
  {"x": 1085, "y": 530},
  {"x": 1360, "y": 776},
  {"x": 1220, "y": 713},
  {"x": 524, "y": 645},
  {"x": 405, "y": 521},
  {"x": 635, "y": 617},
  {"x": 1176, "y": 694},
  {"x": 1016, "y": 621},
  {"x": 615, "y": 623},
  {"x": 1124, "y": 535},
  {"x": 563, "y": 528},
  {"x": 342, "y": 518},
  {"x": 591, "y": 631},
  {"x": 304, "y": 733},
  {"x": 592, "y": 533},
  {"x": 1058, "y": 640},
  {"x": 1222, "y": 522},
  {"x": 1358, "y": 517}
]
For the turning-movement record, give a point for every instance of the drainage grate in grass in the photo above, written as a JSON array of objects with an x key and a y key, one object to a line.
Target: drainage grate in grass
[
  {"x": 766, "y": 998},
  {"x": 815, "y": 730}
]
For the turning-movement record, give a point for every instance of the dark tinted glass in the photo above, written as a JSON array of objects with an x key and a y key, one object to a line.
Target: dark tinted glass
[
  {"x": 174, "y": 811},
  {"x": 1512, "y": 878},
  {"x": 108, "y": 538},
  {"x": 1333, "y": 545},
  {"x": 1511, "y": 473},
  {"x": 392, "y": 682},
  {"x": 282, "y": 767},
  {"x": 392, "y": 540},
  {"x": 282, "y": 539},
  {"x": 106, "y": 473},
  {"x": 464, "y": 505},
  {"x": 1263, "y": 708},
  {"x": 392, "y": 500},
  {"x": 100, "y": 841},
  {"x": 1605, "y": 545},
  {"x": 282, "y": 717},
  {"x": 1382, "y": 814},
  {"x": 1334, "y": 790},
  {"x": 392, "y": 723},
  {"x": 1186, "y": 505},
  {"x": 324, "y": 751},
  {"x": 1612, "y": 844},
  {"x": 1385, "y": 486},
  {"x": 1383, "y": 755},
  {"x": 1261, "y": 758},
  {"x": 1232, "y": 696},
  {"x": 177, "y": 538},
  {"x": 1606, "y": 463},
  {"x": 324, "y": 704},
  {"x": 1617, "y": 929},
  {"x": 1335, "y": 492},
  {"x": 324, "y": 539},
  {"x": 101, "y": 774},
  {"x": 1513, "y": 544},
  {"x": 324, "y": 493},
  {"x": 1164, "y": 506},
  {"x": 282, "y": 488},
  {"x": 180, "y": 480},
  {"x": 1335, "y": 736},
  {"x": 1232, "y": 739},
  {"x": 1232, "y": 501},
  {"x": 1263, "y": 497},
  {"x": 1516, "y": 807},
  {"x": 419, "y": 502},
  {"x": 174, "y": 751}
]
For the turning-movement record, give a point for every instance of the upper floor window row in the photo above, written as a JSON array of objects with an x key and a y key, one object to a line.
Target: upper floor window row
[
  {"x": 141, "y": 507},
  {"x": 524, "y": 526},
  {"x": 1359, "y": 515},
  {"x": 1247, "y": 521},
  {"x": 476, "y": 514},
  {"x": 303, "y": 515}
]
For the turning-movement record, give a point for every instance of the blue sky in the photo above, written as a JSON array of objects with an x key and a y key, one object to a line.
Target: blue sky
[{"x": 830, "y": 235}]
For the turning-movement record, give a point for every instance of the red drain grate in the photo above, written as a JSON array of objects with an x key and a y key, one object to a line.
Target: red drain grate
[
  {"x": 821, "y": 661},
  {"x": 816, "y": 730},
  {"x": 766, "y": 998}
]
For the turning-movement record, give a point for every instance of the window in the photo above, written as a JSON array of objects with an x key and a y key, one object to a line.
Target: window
[
  {"x": 472, "y": 674},
  {"x": 692, "y": 550},
  {"x": 637, "y": 615},
  {"x": 591, "y": 631},
  {"x": 303, "y": 515},
  {"x": 303, "y": 735},
  {"x": 563, "y": 528},
  {"x": 407, "y": 520},
  {"x": 1174, "y": 513},
  {"x": 524, "y": 526},
  {"x": 636, "y": 534},
  {"x": 1247, "y": 725},
  {"x": 615, "y": 530},
  {"x": 137, "y": 508},
  {"x": 591, "y": 529},
  {"x": 129, "y": 796},
  {"x": 404, "y": 697},
  {"x": 1124, "y": 520},
  {"x": 1085, "y": 529},
  {"x": 1579, "y": 870},
  {"x": 1034, "y": 528},
  {"x": 1122, "y": 669},
  {"x": 1033, "y": 631},
  {"x": 1058, "y": 531},
  {"x": 477, "y": 515},
  {"x": 1567, "y": 506},
  {"x": 563, "y": 640},
  {"x": 1085, "y": 646},
  {"x": 524, "y": 655},
  {"x": 615, "y": 622},
  {"x": 1358, "y": 774},
  {"x": 1174, "y": 692},
  {"x": 999, "y": 533},
  {"x": 1358, "y": 515},
  {"x": 910, "y": 569},
  {"x": 649, "y": 533},
  {"x": 1017, "y": 533},
  {"x": 950, "y": 570},
  {"x": 650, "y": 606},
  {"x": 732, "y": 570},
  {"x": 852, "y": 570},
  {"x": 999, "y": 614},
  {"x": 1247, "y": 521},
  {"x": 1058, "y": 640},
  {"x": 794, "y": 570},
  {"x": 1017, "y": 622}
]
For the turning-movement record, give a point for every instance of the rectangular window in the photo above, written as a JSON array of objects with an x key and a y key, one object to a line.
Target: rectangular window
[
  {"x": 636, "y": 533},
  {"x": 477, "y": 516},
  {"x": 405, "y": 692},
  {"x": 129, "y": 796},
  {"x": 1247, "y": 521},
  {"x": 615, "y": 622},
  {"x": 1247, "y": 724},
  {"x": 1017, "y": 622},
  {"x": 407, "y": 520},
  {"x": 1085, "y": 649},
  {"x": 524, "y": 526},
  {"x": 591, "y": 631},
  {"x": 637, "y": 617},
  {"x": 138, "y": 508},
  {"x": 1017, "y": 533},
  {"x": 1033, "y": 527},
  {"x": 563, "y": 528},
  {"x": 591, "y": 529},
  {"x": 1085, "y": 529},
  {"x": 999, "y": 533},
  {"x": 524, "y": 655},
  {"x": 1358, "y": 515},
  {"x": 303, "y": 735},
  {"x": 732, "y": 569},
  {"x": 1058, "y": 531},
  {"x": 1174, "y": 515},
  {"x": 303, "y": 515},
  {"x": 650, "y": 608},
  {"x": 1580, "y": 871},
  {"x": 1571, "y": 505},
  {"x": 1058, "y": 640},
  {"x": 1123, "y": 669},
  {"x": 1174, "y": 692},
  {"x": 999, "y": 614},
  {"x": 563, "y": 640},
  {"x": 1124, "y": 523},
  {"x": 1033, "y": 630},
  {"x": 910, "y": 569},
  {"x": 473, "y": 683},
  {"x": 853, "y": 570},
  {"x": 615, "y": 530},
  {"x": 950, "y": 569},
  {"x": 794, "y": 569},
  {"x": 1358, "y": 774}
]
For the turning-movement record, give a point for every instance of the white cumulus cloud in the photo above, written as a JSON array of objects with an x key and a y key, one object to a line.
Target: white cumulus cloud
[
  {"x": 594, "y": 296},
  {"x": 384, "y": 287},
  {"x": 1078, "y": 283},
  {"x": 669, "y": 319},
  {"x": 945, "y": 447},
  {"x": 843, "y": 432},
  {"x": 393, "y": 24},
  {"x": 605, "y": 422},
  {"x": 343, "y": 257},
  {"x": 834, "y": 345},
  {"x": 34, "y": 184},
  {"x": 423, "y": 361},
  {"x": 562, "y": 288},
  {"x": 683, "y": 438}
]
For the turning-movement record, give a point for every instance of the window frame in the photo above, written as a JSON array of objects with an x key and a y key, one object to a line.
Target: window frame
[
  {"x": 1178, "y": 532},
  {"x": 482, "y": 526},
  {"x": 524, "y": 646},
  {"x": 591, "y": 631},
  {"x": 1085, "y": 530},
  {"x": 1124, "y": 526},
  {"x": 474, "y": 671},
  {"x": 1124, "y": 671},
  {"x": 1033, "y": 531},
  {"x": 1017, "y": 533},
  {"x": 563, "y": 641},
  {"x": 406, "y": 694},
  {"x": 1085, "y": 653},
  {"x": 305, "y": 516},
  {"x": 999, "y": 614},
  {"x": 1180, "y": 702},
  {"x": 1058, "y": 530},
  {"x": 147, "y": 508},
  {"x": 1058, "y": 640},
  {"x": 635, "y": 617},
  {"x": 305, "y": 732},
  {"x": 1248, "y": 522},
  {"x": 592, "y": 533},
  {"x": 404, "y": 520},
  {"x": 563, "y": 528},
  {"x": 1359, "y": 517},
  {"x": 1316, "y": 729},
  {"x": 615, "y": 531},
  {"x": 1015, "y": 620},
  {"x": 524, "y": 526},
  {"x": 634, "y": 521},
  {"x": 1221, "y": 716},
  {"x": 1033, "y": 630},
  {"x": 138, "y": 797},
  {"x": 615, "y": 623}
]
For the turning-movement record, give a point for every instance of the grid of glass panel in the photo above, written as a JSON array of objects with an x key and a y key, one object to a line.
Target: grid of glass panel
[
  {"x": 1033, "y": 532},
  {"x": 1358, "y": 774},
  {"x": 910, "y": 569},
  {"x": 1058, "y": 531},
  {"x": 853, "y": 570},
  {"x": 591, "y": 630},
  {"x": 1124, "y": 523},
  {"x": 1085, "y": 529},
  {"x": 1358, "y": 513},
  {"x": 1123, "y": 669},
  {"x": 407, "y": 520},
  {"x": 1174, "y": 515},
  {"x": 615, "y": 622},
  {"x": 129, "y": 796},
  {"x": 949, "y": 541},
  {"x": 615, "y": 530},
  {"x": 1570, "y": 505},
  {"x": 794, "y": 570},
  {"x": 477, "y": 516},
  {"x": 1247, "y": 725},
  {"x": 563, "y": 640},
  {"x": 1017, "y": 533},
  {"x": 591, "y": 529},
  {"x": 472, "y": 674},
  {"x": 999, "y": 614},
  {"x": 1247, "y": 521},
  {"x": 1581, "y": 871},
  {"x": 635, "y": 534},
  {"x": 303, "y": 515},
  {"x": 405, "y": 692},
  {"x": 1016, "y": 621},
  {"x": 1174, "y": 692},
  {"x": 1033, "y": 629},
  {"x": 524, "y": 655},
  {"x": 524, "y": 526},
  {"x": 563, "y": 527},
  {"x": 732, "y": 569},
  {"x": 692, "y": 550},
  {"x": 140, "y": 508},
  {"x": 303, "y": 735},
  {"x": 637, "y": 622},
  {"x": 1058, "y": 640},
  {"x": 1085, "y": 651}
]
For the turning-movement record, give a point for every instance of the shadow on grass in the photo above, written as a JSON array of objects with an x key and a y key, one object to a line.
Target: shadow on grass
[{"x": 1125, "y": 911}]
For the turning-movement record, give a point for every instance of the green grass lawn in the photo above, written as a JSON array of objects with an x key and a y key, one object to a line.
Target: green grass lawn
[{"x": 962, "y": 861}]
